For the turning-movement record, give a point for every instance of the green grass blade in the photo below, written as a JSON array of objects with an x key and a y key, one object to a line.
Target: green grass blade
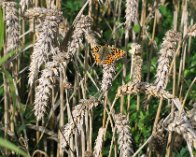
[
  {"x": 1, "y": 29},
  {"x": 8, "y": 145},
  {"x": 6, "y": 57},
  {"x": 11, "y": 87}
]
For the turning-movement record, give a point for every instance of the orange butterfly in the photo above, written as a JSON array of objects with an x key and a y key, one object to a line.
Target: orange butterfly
[{"x": 107, "y": 54}]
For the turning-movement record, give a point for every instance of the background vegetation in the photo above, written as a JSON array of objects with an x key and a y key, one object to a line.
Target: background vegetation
[{"x": 57, "y": 101}]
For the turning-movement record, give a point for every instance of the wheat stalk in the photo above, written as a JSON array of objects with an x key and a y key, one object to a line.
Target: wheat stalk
[
  {"x": 12, "y": 25},
  {"x": 76, "y": 122},
  {"x": 124, "y": 135},
  {"x": 99, "y": 142},
  {"x": 88, "y": 154},
  {"x": 167, "y": 52},
  {"x": 50, "y": 4},
  {"x": 24, "y": 4}
]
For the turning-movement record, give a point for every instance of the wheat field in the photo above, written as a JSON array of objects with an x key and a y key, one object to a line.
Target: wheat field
[{"x": 98, "y": 78}]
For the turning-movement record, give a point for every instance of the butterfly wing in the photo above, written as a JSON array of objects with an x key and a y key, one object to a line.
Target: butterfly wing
[
  {"x": 96, "y": 54},
  {"x": 109, "y": 60},
  {"x": 107, "y": 54},
  {"x": 117, "y": 53}
]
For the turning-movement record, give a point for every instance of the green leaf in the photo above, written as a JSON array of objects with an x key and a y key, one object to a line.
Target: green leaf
[
  {"x": 1, "y": 29},
  {"x": 163, "y": 10},
  {"x": 8, "y": 145},
  {"x": 11, "y": 86},
  {"x": 21, "y": 128},
  {"x": 136, "y": 28},
  {"x": 7, "y": 56},
  {"x": 142, "y": 116}
]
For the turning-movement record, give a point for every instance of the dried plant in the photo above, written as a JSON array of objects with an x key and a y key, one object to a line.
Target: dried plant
[
  {"x": 12, "y": 25},
  {"x": 124, "y": 135},
  {"x": 46, "y": 83},
  {"x": 108, "y": 74},
  {"x": 167, "y": 52},
  {"x": 99, "y": 142},
  {"x": 81, "y": 26},
  {"x": 136, "y": 63},
  {"x": 50, "y": 4},
  {"x": 43, "y": 12},
  {"x": 44, "y": 47},
  {"x": 191, "y": 30},
  {"x": 192, "y": 116},
  {"x": 131, "y": 13},
  {"x": 158, "y": 142},
  {"x": 76, "y": 122},
  {"x": 63, "y": 27},
  {"x": 62, "y": 75},
  {"x": 88, "y": 154},
  {"x": 90, "y": 37},
  {"x": 24, "y": 4},
  {"x": 173, "y": 123},
  {"x": 149, "y": 90},
  {"x": 181, "y": 125},
  {"x": 143, "y": 87}
]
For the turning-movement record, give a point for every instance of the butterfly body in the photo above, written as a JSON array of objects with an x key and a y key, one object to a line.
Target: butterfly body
[{"x": 107, "y": 54}]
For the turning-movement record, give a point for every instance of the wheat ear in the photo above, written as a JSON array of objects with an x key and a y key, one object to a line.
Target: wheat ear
[
  {"x": 149, "y": 90},
  {"x": 108, "y": 72},
  {"x": 174, "y": 123},
  {"x": 167, "y": 52},
  {"x": 192, "y": 116},
  {"x": 38, "y": 12},
  {"x": 136, "y": 64},
  {"x": 44, "y": 46},
  {"x": 99, "y": 142},
  {"x": 81, "y": 26},
  {"x": 159, "y": 139},
  {"x": 89, "y": 33},
  {"x": 143, "y": 87},
  {"x": 191, "y": 30},
  {"x": 182, "y": 127},
  {"x": 12, "y": 25},
  {"x": 131, "y": 13},
  {"x": 46, "y": 81},
  {"x": 124, "y": 135},
  {"x": 77, "y": 120},
  {"x": 24, "y": 4}
]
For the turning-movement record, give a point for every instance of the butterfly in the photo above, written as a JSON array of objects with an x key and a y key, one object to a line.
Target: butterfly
[{"x": 107, "y": 54}]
